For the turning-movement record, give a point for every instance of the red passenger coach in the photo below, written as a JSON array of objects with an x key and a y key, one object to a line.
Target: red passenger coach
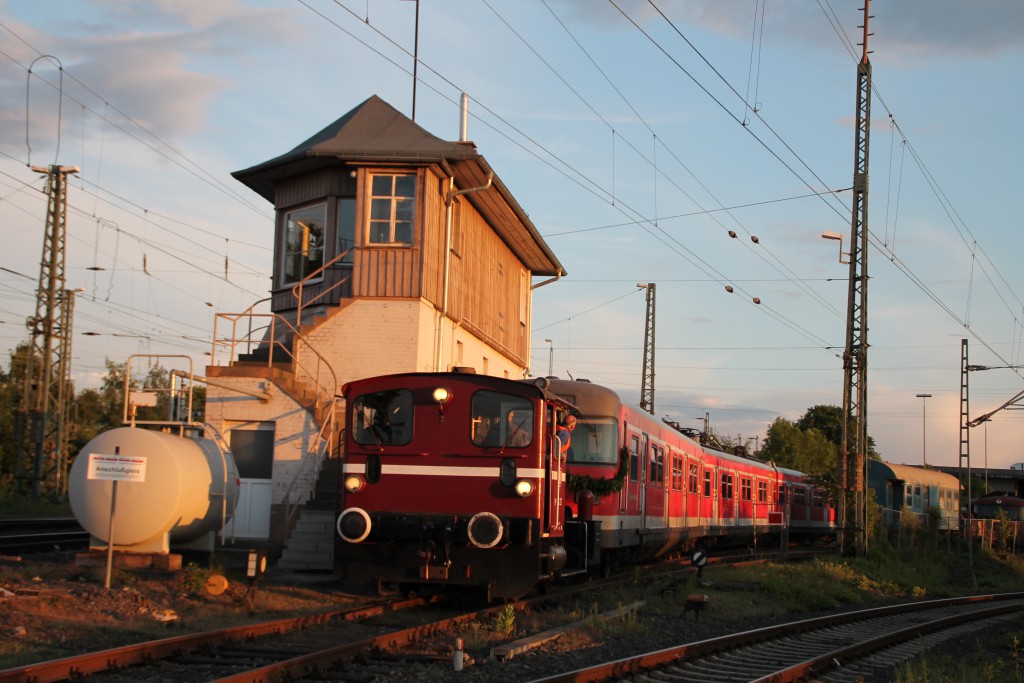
[
  {"x": 452, "y": 479},
  {"x": 651, "y": 490}
]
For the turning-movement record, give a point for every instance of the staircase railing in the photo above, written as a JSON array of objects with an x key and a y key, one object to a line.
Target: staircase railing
[
  {"x": 306, "y": 363},
  {"x": 276, "y": 335},
  {"x": 297, "y": 288}
]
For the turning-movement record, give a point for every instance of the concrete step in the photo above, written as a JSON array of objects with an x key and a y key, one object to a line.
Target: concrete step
[{"x": 311, "y": 544}]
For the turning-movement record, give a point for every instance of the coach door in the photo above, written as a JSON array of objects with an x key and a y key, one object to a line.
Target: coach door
[
  {"x": 634, "y": 482},
  {"x": 644, "y": 465}
]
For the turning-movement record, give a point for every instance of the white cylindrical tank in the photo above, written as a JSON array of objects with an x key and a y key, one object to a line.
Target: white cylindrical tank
[{"x": 190, "y": 483}]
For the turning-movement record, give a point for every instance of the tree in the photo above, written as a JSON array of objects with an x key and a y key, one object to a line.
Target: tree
[
  {"x": 829, "y": 421},
  {"x": 807, "y": 450}
]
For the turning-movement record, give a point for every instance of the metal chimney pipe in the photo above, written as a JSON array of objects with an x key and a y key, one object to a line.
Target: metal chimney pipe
[{"x": 464, "y": 118}]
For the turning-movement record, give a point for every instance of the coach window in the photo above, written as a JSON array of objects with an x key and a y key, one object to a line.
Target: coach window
[
  {"x": 657, "y": 473},
  {"x": 762, "y": 492},
  {"x": 677, "y": 472},
  {"x": 799, "y": 496},
  {"x": 304, "y": 241},
  {"x": 746, "y": 490},
  {"x": 726, "y": 486},
  {"x": 707, "y": 483},
  {"x": 383, "y": 418},
  {"x": 634, "y": 457},
  {"x": 817, "y": 498},
  {"x": 392, "y": 208},
  {"x": 782, "y": 495},
  {"x": 694, "y": 478}
]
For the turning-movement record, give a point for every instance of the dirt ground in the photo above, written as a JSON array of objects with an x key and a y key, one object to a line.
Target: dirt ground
[{"x": 52, "y": 608}]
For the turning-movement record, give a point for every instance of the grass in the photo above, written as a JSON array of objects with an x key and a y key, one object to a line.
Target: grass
[{"x": 15, "y": 507}]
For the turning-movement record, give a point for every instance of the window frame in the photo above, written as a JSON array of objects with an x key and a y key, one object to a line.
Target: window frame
[
  {"x": 287, "y": 254},
  {"x": 376, "y": 202}
]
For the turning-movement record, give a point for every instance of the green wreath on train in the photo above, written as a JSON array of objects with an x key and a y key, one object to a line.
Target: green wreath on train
[{"x": 602, "y": 487}]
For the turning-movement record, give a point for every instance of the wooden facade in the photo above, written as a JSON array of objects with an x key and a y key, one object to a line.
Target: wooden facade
[{"x": 482, "y": 283}]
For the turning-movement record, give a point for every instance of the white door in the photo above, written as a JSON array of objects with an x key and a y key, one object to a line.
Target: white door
[
  {"x": 252, "y": 515},
  {"x": 252, "y": 445}
]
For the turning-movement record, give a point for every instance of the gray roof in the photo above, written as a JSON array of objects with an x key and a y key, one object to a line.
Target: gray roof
[
  {"x": 376, "y": 132},
  {"x": 912, "y": 474}
]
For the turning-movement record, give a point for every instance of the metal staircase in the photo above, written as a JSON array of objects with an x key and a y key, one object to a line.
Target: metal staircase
[{"x": 277, "y": 347}]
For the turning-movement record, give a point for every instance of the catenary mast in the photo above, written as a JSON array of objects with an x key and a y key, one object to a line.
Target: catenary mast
[{"x": 852, "y": 522}]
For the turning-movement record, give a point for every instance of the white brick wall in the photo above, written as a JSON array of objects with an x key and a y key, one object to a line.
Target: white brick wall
[{"x": 367, "y": 338}]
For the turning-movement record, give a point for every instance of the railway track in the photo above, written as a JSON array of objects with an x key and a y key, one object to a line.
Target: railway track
[
  {"x": 845, "y": 647},
  {"x": 40, "y": 535},
  {"x": 286, "y": 648},
  {"x": 256, "y": 652}
]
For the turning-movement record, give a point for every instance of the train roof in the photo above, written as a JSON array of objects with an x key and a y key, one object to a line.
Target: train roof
[
  {"x": 601, "y": 400},
  {"x": 397, "y": 379},
  {"x": 915, "y": 475}
]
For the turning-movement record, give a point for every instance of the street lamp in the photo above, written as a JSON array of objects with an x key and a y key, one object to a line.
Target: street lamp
[
  {"x": 924, "y": 454},
  {"x": 844, "y": 256},
  {"x": 551, "y": 358}
]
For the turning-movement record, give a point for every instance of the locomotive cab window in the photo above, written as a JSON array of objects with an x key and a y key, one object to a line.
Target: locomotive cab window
[
  {"x": 383, "y": 418},
  {"x": 501, "y": 420}
]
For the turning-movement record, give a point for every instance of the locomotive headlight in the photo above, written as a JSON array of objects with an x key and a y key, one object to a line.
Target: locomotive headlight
[
  {"x": 524, "y": 488},
  {"x": 353, "y": 483},
  {"x": 441, "y": 395}
]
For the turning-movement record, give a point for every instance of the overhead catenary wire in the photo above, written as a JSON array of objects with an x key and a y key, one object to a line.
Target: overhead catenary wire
[{"x": 656, "y": 218}]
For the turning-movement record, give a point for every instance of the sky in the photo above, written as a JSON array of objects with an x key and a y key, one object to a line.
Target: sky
[{"x": 638, "y": 135}]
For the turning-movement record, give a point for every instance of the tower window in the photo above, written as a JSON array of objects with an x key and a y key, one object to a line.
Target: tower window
[
  {"x": 392, "y": 208},
  {"x": 304, "y": 241}
]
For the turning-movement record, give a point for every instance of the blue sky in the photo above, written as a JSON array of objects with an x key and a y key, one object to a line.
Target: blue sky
[{"x": 626, "y": 130}]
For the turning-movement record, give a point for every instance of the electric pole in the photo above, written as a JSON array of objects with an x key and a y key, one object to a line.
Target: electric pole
[
  {"x": 647, "y": 377},
  {"x": 852, "y": 513},
  {"x": 41, "y": 423}
]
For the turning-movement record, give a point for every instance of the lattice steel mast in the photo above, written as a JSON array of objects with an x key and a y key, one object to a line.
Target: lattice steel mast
[
  {"x": 42, "y": 419},
  {"x": 853, "y": 461},
  {"x": 647, "y": 378}
]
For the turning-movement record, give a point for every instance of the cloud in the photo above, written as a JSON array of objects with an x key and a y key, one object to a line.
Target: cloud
[
  {"x": 944, "y": 29},
  {"x": 140, "y": 59}
]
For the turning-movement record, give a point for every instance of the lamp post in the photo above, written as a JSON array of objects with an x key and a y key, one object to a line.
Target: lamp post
[
  {"x": 551, "y": 357},
  {"x": 924, "y": 400}
]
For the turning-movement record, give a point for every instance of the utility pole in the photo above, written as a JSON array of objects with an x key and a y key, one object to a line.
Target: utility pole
[
  {"x": 41, "y": 423},
  {"x": 966, "y": 523},
  {"x": 647, "y": 377},
  {"x": 852, "y": 521},
  {"x": 924, "y": 428}
]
